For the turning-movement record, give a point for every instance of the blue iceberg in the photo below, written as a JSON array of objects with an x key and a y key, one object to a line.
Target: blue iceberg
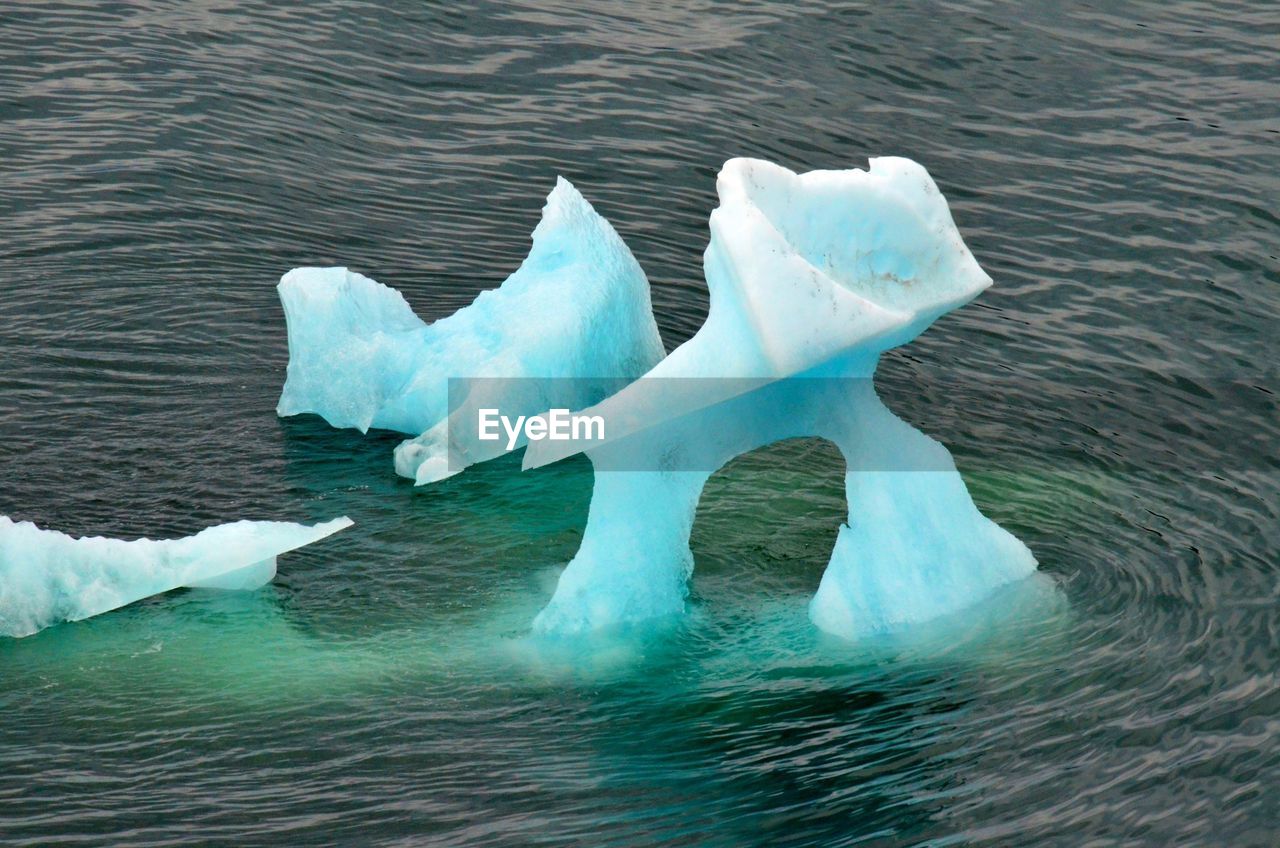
[
  {"x": 578, "y": 307},
  {"x": 811, "y": 278},
  {"x": 47, "y": 577}
]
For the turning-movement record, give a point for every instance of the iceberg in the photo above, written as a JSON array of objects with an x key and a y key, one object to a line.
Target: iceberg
[
  {"x": 811, "y": 278},
  {"x": 47, "y": 577},
  {"x": 578, "y": 307}
]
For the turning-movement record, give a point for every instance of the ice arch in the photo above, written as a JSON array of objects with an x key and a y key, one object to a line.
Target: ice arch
[{"x": 811, "y": 278}]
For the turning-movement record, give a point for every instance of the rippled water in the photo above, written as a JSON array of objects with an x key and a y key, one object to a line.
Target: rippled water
[{"x": 1111, "y": 401}]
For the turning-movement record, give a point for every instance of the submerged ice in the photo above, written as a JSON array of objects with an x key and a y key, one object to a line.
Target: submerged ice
[
  {"x": 578, "y": 307},
  {"x": 47, "y": 577},
  {"x": 811, "y": 278}
]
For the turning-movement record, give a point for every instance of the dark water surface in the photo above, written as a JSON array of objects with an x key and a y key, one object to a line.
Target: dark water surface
[{"x": 1111, "y": 401}]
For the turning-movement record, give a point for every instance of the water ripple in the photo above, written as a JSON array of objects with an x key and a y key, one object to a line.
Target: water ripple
[{"x": 1111, "y": 400}]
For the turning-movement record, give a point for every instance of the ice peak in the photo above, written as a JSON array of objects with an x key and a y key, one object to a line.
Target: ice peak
[{"x": 825, "y": 260}]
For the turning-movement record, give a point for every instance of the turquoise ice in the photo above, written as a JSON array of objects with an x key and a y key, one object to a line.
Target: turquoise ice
[
  {"x": 811, "y": 278},
  {"x": 578, "y": 307},
  {"x": 47, "y": 577}
]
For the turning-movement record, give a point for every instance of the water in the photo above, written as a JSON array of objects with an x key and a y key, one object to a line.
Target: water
[{"x": 1111, "y": 401}]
